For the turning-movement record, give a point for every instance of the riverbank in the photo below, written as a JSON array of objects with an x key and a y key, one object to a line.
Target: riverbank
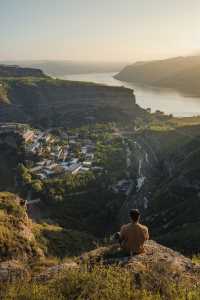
[{"x": 166, "y": 100}]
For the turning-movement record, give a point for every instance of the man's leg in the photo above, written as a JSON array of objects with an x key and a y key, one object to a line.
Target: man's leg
[{"x": 121, "y": 252}]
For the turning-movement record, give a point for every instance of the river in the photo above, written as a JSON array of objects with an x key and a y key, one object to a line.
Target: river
[{"x": 168, "y": 101}]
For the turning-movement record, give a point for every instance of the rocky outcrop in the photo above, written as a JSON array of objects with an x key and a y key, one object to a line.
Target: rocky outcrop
[
  {"x": 157, "y": 261},
  {"x": 15, "y": 71},
  {"x": 156, "y": 258}
]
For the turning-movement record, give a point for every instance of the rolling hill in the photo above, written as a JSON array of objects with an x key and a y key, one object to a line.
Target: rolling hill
[{"x": 180, "y": 73}]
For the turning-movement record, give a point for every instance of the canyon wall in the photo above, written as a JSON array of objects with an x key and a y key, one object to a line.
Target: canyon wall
[{"x": 51, "y": 102}]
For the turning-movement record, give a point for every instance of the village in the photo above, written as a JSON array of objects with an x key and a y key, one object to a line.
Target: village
[
  {"x": 52, "y": 155},
  {"x": 61, "y": 154}
]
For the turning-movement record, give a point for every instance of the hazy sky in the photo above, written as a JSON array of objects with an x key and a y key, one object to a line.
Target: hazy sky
[{"x": 117, "y": 30}]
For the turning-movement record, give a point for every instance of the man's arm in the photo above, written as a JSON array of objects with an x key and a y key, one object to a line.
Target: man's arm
[{"x": 146, "y": 234}]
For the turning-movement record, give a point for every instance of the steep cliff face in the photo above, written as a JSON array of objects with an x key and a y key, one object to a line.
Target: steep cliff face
[
  {"x": 166, "y": 172},
  {"x": 11, "y": 153},
  {"x": 49, "y": 102},
  {"x": 15, "y": 71}
]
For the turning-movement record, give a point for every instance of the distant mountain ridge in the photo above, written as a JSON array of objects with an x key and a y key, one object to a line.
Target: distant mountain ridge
[
  {"x": 180, "y": 73},
  {"x": 62, "y": 68}
]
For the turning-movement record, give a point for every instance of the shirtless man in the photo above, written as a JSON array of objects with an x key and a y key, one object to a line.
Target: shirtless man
[{"x": 132, "y": 236}]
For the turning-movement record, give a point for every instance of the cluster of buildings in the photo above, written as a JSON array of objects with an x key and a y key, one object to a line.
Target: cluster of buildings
[
  {"x": 53, "y": 155},
  {"x": 60, "y": 155}
]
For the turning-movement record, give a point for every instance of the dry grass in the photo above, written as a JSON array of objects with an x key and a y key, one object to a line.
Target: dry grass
[{"x": 109, "y": 283}]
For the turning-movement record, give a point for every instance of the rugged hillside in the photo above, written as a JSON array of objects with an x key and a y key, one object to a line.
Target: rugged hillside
[
  {"x": 181, "y": 73},
  {"x": 177, "y": 196},
  {"x": 50, "y": 102},
  {"x": 17, "y": 239},
  {"x": 159, "y": 273},
  {"x": 159, "y": 155},
  {"x": 23, "y": 243},
  {"x": 168, "y": 193}
]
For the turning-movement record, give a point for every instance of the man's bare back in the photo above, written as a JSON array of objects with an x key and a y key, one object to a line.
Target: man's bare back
[{"x": 132, "y": 236}]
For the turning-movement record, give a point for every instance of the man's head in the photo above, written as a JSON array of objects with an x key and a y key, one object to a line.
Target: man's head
[{"x": 134, "y": 215}]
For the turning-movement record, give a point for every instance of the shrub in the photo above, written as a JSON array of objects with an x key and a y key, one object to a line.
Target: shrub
[{"x": 103, "y": 283}]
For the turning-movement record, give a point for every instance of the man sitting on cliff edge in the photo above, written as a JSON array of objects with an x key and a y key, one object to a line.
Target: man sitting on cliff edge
[{"x": 132, "y": 236}]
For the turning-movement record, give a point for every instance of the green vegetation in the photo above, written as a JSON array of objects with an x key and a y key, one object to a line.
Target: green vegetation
[
  {"x": 81, "y": 202},
  {"x": 113, "y": 283},
  {"x": 58, "y": 242},
  {"x": 76, "y": 211},
  {"x": 112, "y": 157},
  {"x": 16, "y": 238},
  {"x": 196, "y": 259},
  {"x": 22, "y": 239},
  {"x": 3, "y": 93},
  {"x": 85, "y": 202}
]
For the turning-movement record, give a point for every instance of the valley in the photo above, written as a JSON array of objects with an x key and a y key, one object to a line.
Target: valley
[
  {"x": 99, "y": 150},
  {"x": 62, "y": 167},
  {"x": 75, "y": 158}
]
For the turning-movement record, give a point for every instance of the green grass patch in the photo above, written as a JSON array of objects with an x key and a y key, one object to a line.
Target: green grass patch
[{"x": 196, "y": 259}]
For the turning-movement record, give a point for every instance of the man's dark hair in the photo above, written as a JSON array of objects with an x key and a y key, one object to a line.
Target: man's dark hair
[{"x": 134, "y": 214}]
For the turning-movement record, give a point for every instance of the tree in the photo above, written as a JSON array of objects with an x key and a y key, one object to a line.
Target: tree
[{"x": 37, "y": 186}]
